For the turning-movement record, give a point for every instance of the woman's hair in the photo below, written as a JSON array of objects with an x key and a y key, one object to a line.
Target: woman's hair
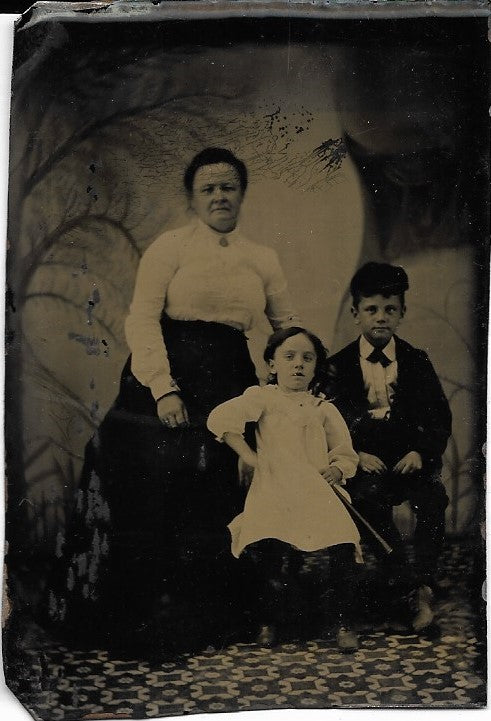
[
  {"x": 280, "y": 336},
  {"x": 213, "y": 156}
]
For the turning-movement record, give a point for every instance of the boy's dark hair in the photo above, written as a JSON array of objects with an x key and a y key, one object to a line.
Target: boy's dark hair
[
  {"x": 214, "y": 156},
  {"x": 378, "y": 278},
  {"x": 280, "y": 336}
]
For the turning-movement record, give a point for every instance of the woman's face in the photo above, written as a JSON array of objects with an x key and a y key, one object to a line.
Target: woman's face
[{"x": 217, "y": 196}]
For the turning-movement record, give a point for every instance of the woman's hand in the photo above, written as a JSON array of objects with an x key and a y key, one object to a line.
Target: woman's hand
[
  {"x": 172, "y": 411},
  {"x": 332, "y": 474}
]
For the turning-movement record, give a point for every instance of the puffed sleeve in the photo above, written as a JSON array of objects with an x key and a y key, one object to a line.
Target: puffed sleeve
[
  {"x": 339, "y": 446},
  {"x": 149, "y": 361},
  {"x": 279, "y": 309},
  {"x": 232, "y": 416}
]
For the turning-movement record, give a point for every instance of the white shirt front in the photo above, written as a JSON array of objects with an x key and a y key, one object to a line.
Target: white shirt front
[
  {"x": 380, "y": 383},
  {"x": 193, "y": 274}
]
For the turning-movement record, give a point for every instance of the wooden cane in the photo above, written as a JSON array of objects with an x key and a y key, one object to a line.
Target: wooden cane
[{"x": 388, "y": 549}]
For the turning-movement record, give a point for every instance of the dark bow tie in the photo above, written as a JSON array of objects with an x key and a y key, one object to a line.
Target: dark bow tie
[{"x": 378, "y": 356}]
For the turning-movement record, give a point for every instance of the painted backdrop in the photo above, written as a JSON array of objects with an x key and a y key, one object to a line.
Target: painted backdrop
[{"x": 362, "y": 143}]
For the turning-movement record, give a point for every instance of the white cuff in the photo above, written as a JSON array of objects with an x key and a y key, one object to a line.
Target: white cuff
[{"x": 162, "y": 385}]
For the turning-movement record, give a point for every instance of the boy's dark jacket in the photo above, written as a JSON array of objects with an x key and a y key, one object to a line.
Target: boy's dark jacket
[{"x": 419, "y": 404}]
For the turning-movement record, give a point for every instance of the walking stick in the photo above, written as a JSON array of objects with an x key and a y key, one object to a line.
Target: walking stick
[{"x": 388, "y": 549}]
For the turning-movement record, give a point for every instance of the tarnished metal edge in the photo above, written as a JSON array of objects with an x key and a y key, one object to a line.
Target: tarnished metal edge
[{"x": 128, "y": 11}]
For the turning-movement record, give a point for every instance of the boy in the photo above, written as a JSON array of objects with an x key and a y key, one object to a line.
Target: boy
[{"x": 400, "y": 422}]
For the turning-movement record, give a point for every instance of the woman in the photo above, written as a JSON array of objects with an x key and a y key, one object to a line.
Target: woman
[{"x": 149, "y": 535}]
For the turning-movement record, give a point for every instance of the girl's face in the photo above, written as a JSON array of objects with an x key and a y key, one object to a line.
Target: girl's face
[
  {"x": 294, "y": 363},
  {"x": 217, "y": 196}
]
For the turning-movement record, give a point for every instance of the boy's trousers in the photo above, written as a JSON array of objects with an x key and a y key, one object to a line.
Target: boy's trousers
[{"x": 375, "y": 494}]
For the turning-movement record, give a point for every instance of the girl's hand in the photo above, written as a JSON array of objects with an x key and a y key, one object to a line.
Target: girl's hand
[
  {"x": 332, "y": 474},
  {"x": 172, "y": 411},
  {"x": 248, "y": 458},
  {"x": 246, "y": 455},
  {"x": 246, "y": 473}
]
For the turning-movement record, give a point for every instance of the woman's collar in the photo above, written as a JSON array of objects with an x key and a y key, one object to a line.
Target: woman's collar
[{"x": 205, "y": 231}]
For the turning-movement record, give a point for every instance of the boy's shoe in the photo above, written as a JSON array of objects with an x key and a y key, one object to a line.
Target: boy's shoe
[
  {"x": 266, "y": 636},
  {"x": 421, "y": 604},
  {"x": 347, "y": 640}
]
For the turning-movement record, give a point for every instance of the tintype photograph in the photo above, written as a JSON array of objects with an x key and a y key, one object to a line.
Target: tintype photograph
[{"x": 246, "y": 334}]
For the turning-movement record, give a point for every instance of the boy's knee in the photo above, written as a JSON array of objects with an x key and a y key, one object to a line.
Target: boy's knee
[{"x": 432, "y": 497}]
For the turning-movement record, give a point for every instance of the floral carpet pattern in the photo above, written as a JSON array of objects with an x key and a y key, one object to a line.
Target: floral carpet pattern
[{"x": 444, "y": 669}]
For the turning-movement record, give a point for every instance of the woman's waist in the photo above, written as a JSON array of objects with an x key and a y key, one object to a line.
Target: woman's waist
[
  {"x": 204, "y": 324},
  {"x": 190, "y": 340},
  {"x": 239, "y": 320}
]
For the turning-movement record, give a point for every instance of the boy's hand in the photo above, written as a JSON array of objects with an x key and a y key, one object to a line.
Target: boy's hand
[
  {"x": 370, "y": 464},
  {"x": 409, "y": 463},
  {"x": 332, "y": 474}
]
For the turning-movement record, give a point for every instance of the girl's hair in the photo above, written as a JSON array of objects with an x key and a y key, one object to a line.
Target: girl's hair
[
  {"x": 214, "y": 156},
  {"x": 280, "y": 336}
]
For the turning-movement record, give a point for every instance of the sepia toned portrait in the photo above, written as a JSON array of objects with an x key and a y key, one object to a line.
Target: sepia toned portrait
[{"x": 246, "y": 335}]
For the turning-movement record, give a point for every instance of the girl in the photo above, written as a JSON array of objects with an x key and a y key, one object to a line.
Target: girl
[{"x": 303, "y": 448}]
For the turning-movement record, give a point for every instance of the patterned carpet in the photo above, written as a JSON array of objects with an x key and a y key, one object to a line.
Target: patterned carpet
[{"x": 444, "y": 669}]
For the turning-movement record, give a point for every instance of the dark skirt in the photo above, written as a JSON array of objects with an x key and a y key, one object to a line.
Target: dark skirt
[{"x": 147, "y": 550}]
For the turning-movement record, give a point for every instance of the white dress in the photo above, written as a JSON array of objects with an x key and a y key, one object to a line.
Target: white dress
[{"x": 297, "y": 436}]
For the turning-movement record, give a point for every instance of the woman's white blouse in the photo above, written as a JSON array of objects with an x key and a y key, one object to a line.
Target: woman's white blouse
[
  {"x": 298, "y": 435},
  {"x": 192, "y": 276}
]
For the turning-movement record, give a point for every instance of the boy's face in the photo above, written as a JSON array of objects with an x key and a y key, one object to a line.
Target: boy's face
[{"x": 378, "y": 318}]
